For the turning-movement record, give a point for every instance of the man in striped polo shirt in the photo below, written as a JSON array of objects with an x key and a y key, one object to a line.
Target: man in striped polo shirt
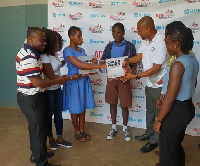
[{"x": 30, "y": 97}]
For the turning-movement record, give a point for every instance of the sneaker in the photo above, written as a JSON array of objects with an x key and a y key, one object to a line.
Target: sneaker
[
  {"x": 127, "y": 135},
  {"x": 111, "y": 134},
  {"x": 53, "y": 145},
  {"x": 64, "y": 143}
]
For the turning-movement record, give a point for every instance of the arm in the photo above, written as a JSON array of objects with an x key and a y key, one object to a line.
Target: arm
[
  {"x": 175, "y": 76},
  {"x": 48, "y": 70},
  {"x": 136, "y": 58},
  {"x": 38, "y": 82},
  {"x": 84, "y": 66},
  {"x": 155, "y": 69}
]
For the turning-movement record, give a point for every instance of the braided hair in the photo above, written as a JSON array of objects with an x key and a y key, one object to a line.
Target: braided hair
[
  {"x": 179, "y": 32},
  {"x": 51, "y": 41}
]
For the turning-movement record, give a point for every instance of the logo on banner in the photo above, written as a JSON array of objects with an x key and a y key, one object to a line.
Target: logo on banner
[
  {"x": 163, "y": 1},
  {"x": 76, "y": 16},
  {"x": 196, "y": 130},
  {"x": 118, "y": 17},
  {"x": 75, "y": 3},
  {"x": 136, "y": 42},
  {"x": 97, "y": 15},
  {"x": 98, "y": 92},
  {"x": 198, "y": 115},
  {"x": 60, "y": 3},
  {"x": 196, "y": 42},
  {"x": 194, "y": 27},
  {"x": 58, "y": 14},
  {"x": 96, "y": 4},
  {"x": 190, "y": 11},
  {"x": 143, "y": 3},
  {"x": 61, "y": 28},
  {"x": 92, "y": 41},
  {"x": 138, "y": 85},
  {"x": 138, "y": 97},
  {"x": 160, "y": 27},
  {"x": 99, "y": 103},
  {"x": 141, "y": 14},
  {"x": 130, "y": 119},
  {"x": 97, "y": 82},
  {"x": 96, "y": 29},
  {"x": 168, "y": 14},
  {"x": 95, "y": 114},
  {"x": 136, "y": 108},
  {"x": 192, "y": 1},
  {"x": 118, "y": 3},
  {"x": 198, "y": 104},
  {"x": 133, "y": 29}
]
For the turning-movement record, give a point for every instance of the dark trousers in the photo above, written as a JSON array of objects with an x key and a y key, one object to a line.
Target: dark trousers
[
  {"x": 33, "y": 107},
  {"x": 152, "y": 94},
  {"x": 54, "y": 107},
  {"x": 173, "y": 131}
]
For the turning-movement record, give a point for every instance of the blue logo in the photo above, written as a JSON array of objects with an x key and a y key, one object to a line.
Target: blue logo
[
  {"x": 141, "y": 14},
  {"x": 97, "y": 15},
  {"x": 75, "y": 3},
  {"x": 58, "y": 14},
  {"x": 118, "y": 3},
  {"x": 92, "y": 41},
  {"x": 130, "y": 119},
  {"x": 95, "y": 114},
  {"x": 189, "y": 11}
]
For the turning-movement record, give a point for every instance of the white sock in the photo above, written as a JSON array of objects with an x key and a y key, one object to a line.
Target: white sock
[
  {"x": 124, "y": 128},
  {"x": 114, "y": 126}
]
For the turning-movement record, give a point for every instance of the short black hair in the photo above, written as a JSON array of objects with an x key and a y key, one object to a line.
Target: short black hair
[
  {"x": 51, "y": 41},
  {"x": 31, "y": 31},
  {"x": 118, "y": 24},
  {"x": 179, "y": 32},
  {"x": 72, "y": 30}
]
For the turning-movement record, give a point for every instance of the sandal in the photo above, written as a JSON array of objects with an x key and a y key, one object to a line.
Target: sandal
[
  {"x": 86, "y": 136},
  {"x": 80, "y": 137}
]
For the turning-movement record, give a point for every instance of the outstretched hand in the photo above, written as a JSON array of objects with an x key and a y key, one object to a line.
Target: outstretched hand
[
  {"x": 94, "y": 60},
  {"x": 76, "y": 76},
  {"x": 129, "y": 76}
]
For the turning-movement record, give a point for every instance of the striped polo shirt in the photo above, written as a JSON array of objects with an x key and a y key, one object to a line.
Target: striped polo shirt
[{"x": 28, "y": 65}]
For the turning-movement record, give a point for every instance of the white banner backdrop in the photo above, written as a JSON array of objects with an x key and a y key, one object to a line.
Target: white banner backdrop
[{"x": 95, "y": 18}]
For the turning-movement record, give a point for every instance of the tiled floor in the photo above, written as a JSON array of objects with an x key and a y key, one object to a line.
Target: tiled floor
[{"x": 14, "y": 144}]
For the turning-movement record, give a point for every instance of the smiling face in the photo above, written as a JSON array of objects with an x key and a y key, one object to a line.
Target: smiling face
[
  {"x": 37, "y": 41},
  {"x": 118, "y": 34},
  {"x": 143, "y": 31},
  {"x": 77, "y": 38}
]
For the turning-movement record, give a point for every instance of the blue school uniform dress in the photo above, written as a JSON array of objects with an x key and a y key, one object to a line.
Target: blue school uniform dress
[{"x": 77, "y": 94}]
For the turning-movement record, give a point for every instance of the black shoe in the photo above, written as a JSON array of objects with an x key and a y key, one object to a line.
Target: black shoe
[
  {"x": 148, "y": 147},
  {"x": 47, "y": 164},
  {"x": 49, "y": 155},
  {"x": 32, "y": 159},
  {"x": 143, "y": 137}
]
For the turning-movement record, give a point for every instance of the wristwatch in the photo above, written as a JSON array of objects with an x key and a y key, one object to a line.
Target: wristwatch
[
  {"x": 157, "y": 120},
  {"x": 137, "y": 78}
]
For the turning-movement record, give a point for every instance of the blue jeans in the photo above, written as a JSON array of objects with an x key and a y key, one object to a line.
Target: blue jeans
[{"x": 54, "y": 107}]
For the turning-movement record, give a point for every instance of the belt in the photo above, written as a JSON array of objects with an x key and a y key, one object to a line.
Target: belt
[{"x": 22, "y": 94}]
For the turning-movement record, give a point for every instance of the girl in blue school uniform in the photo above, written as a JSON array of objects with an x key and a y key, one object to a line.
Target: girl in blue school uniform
[{"x": 78, "y": 94}]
